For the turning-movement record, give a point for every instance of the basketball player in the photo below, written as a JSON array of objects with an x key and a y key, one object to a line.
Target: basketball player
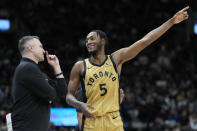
[{"x": 99, "y": 76}]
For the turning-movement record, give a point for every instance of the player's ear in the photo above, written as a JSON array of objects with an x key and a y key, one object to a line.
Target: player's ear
[{"x": 103, "y": 41}]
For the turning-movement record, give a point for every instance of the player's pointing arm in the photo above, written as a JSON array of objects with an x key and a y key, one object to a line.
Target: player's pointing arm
[{"x": 126, "y": 54}]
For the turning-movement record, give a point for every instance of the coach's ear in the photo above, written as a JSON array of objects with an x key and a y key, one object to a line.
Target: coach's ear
[{"x": 29, "y": 47}]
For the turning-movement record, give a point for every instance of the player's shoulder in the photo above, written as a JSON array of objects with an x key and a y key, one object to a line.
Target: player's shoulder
[
  {"x": 79, "y": 62},
  {"x": 79, "y": 65}
]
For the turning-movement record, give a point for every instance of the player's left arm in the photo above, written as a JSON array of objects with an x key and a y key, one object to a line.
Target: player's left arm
[{"x": 128, "y": 53}]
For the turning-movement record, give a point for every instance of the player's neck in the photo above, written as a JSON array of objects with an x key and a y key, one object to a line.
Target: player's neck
[{"x": 99, "y": 58}]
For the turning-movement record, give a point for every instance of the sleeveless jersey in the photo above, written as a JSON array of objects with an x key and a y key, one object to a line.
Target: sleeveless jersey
[{"x": 100, "y": 86}]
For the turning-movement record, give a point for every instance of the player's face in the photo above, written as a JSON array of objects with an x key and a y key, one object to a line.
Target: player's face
[
  {"x": 93, "y": 42},
  {"x": 38, "y": 50}
]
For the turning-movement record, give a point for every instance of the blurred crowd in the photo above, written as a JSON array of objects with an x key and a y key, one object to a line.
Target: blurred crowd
[{"x": 159, "y": 84}]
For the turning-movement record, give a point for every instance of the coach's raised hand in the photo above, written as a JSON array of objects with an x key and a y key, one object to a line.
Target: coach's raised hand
[
  {"x": 181, "y": 15},
  {"x": 54, "y": 62}
]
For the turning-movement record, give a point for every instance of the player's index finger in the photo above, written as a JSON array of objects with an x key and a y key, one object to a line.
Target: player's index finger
[{"x": 186, "y": 8}]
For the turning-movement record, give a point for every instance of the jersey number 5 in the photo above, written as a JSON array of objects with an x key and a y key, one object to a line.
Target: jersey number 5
[{"x": 102, "y": 88}]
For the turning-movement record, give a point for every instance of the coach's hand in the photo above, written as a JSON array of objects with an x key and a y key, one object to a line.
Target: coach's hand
[
  {"x": 181, "y": 15},
  {"x": 54, "y": 62},
  {"x": 84, "y": 108}
]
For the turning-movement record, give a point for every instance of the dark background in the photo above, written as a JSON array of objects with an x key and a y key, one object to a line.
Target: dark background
[{"x": 159, "y": 84}]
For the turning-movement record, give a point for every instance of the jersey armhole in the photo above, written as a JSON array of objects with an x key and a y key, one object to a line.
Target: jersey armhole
[
  {"x": 114, "y": 65},
  {"x": 84, "y": 69},
  {"x": 82, "y": 78}
]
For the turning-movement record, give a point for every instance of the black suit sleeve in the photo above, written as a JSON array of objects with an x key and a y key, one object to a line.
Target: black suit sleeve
[
  {"x": 60, "y": 86},
  {"x": 38, "y": 83}
]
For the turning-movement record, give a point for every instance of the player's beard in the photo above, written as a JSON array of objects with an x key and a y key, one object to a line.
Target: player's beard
[{"x": 95, "y": 52}]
